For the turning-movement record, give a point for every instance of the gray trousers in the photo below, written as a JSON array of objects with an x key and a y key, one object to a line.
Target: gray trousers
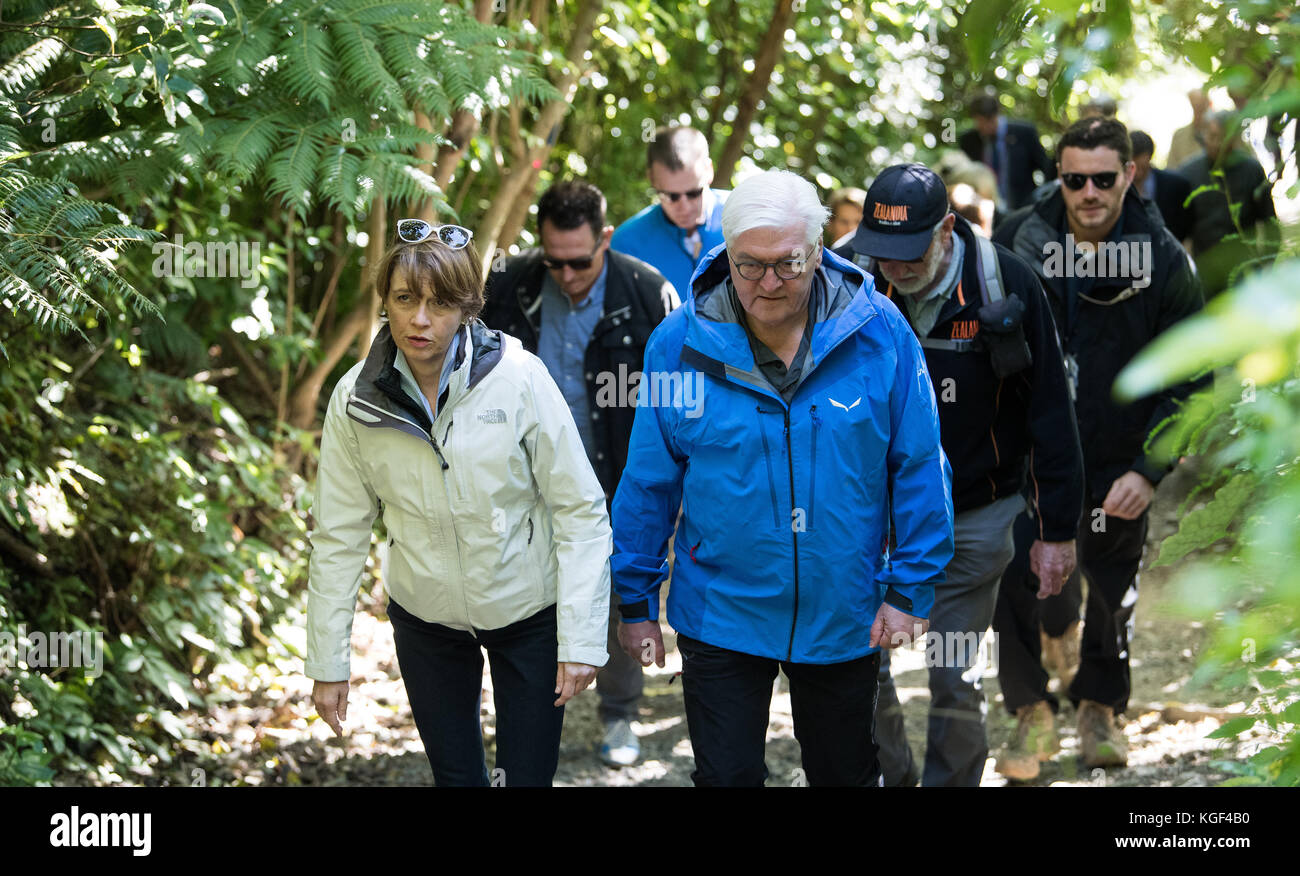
[
  {"x": 956, "y": 744},
  {"x": 619, "y": 682}
]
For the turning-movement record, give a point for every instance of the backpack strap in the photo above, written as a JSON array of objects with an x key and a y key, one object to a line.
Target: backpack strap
[{"x": 990, "y": 272}]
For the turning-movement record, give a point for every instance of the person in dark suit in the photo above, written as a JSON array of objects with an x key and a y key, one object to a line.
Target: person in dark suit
[
  {"x": 1165, "y": 188},
  {"x": 1009, "y": 147}
]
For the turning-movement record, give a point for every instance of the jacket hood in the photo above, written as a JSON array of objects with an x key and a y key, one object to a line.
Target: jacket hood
[{"x": 716, "y": 340}]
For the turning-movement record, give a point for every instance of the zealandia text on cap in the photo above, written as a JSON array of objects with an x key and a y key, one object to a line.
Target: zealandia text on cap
[{"x": 893, "y": 214}]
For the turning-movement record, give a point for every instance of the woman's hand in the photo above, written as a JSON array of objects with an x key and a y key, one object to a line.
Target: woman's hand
[
  {"x": 571, "y": 679},
  {"x": 331, "y": 699}
]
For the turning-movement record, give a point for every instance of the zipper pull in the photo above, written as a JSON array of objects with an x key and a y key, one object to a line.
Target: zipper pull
[
  {"x": 450, "y": 423},
  {"x": 438, "y": 450}
]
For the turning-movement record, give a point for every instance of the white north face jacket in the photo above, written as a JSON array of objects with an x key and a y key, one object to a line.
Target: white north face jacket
[{"x": 493, "y": 512}]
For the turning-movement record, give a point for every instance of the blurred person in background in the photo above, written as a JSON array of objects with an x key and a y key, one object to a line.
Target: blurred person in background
[
  {"x": 846, "y": 212},
  {"x": 1010, "y": 148},
  {"x": 673, "y": 235}
]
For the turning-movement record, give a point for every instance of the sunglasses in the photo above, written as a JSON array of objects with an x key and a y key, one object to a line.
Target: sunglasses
[
  {"x": 417, "y": 231},
  {"x": 581, "y": 264},
  {"x": 1076, "y": 181},
  {"x": 692, "y": 195}
]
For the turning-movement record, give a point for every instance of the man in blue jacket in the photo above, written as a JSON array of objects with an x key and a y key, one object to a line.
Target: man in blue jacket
[
  {"x": 674, "y": 235},
  {"x": 781, "y": 409}
]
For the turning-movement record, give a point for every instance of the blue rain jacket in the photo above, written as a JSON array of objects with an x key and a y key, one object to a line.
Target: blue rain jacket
[{"x": 783, "y": 548}]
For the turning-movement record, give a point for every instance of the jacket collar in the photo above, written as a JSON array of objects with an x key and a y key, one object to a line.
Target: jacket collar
[{"x": 378, "y": 398}]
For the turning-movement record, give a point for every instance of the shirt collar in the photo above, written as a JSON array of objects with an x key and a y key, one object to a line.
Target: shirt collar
[{"x": 448, "y": 366}]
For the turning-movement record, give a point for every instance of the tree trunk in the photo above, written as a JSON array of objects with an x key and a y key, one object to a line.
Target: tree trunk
[
  {"x": 769, "y": 50},
  {"x": 518, "y": 216},
  {"x": 359, "y": 325},
  {"x": 464, "y": 125},
  {"x": 377, "y": 229},
  {"x": 544, "y": 132}
]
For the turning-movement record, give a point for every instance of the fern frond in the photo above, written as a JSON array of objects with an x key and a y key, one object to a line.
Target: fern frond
[
  {"x": 309, "y": 70},
  {"x": 363, "y": 67}
]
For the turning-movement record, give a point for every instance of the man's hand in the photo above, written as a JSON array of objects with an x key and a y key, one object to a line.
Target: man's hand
[
  {"x": 1129, "y": 496},
  {"x": 642, "y": 641},
  {"x": 571, "y": 679},
  {"x": 893, "y": 628},
  {"x": 1052, "y": 562},
  {"x": 331, "y": 700}
]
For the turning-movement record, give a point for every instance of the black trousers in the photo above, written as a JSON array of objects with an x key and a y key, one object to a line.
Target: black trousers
[
  {"x": 1109, "y": 555},
  {"x": 443, "y": 672},
  {"x": 728, "y": 696}
]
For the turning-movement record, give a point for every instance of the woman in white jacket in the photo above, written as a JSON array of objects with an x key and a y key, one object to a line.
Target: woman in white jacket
[{"x": 497, "y": 529}]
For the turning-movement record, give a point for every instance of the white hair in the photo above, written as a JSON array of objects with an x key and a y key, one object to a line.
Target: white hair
[{"x": 774, "y": 199}]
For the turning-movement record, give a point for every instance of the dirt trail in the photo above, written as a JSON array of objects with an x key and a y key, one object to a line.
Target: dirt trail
[{"x": 265, "y": 737}]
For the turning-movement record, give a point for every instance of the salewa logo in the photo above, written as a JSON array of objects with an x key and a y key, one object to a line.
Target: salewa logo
[
  {"x": 846, "y": 407},
  {"x": 495, "y": 415},
  {"x": 890, "y": 212}
]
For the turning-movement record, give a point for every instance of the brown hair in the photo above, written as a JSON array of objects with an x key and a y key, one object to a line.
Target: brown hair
[{"x": 453, "y": 276}]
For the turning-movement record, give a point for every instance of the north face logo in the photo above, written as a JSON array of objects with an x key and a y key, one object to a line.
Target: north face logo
[{"x": 495, "y": 415}]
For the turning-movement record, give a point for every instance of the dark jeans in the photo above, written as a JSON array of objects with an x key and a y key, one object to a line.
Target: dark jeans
[
  {"x": 1109, "y": 561},
  {"x": 728, "y": 696},
  {"x": 443, "y": 672}
]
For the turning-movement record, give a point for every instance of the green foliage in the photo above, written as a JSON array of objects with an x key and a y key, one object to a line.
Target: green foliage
[
  {"x": 1243, "y": 538},
  {"x": 180, "y": 545}
]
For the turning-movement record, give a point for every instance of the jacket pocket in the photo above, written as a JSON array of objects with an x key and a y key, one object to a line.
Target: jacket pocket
[{"x": 771, "y": 468}]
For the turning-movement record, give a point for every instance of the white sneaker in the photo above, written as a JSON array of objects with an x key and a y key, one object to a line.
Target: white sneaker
[{"x": 620, "y": 746}]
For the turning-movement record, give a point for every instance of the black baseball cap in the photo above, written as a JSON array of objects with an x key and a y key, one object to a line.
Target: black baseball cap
[{"x": 903, "y": 205}]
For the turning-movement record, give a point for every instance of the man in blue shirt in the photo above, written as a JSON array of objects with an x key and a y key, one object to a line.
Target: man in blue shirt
[
  {"x": 674, "y": 235},
  {"x": 587, "y": 313}
]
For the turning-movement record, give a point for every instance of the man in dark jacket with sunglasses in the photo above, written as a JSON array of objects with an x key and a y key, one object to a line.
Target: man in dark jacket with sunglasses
[
  {"x": 1115, "y": 279},
  {"x": 587, "y": 312}
]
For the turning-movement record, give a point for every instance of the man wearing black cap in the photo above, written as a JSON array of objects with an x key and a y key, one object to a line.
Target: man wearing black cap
[
  {"x": 1115, "y": 278},
  {"x": 1006, "y": 422}
]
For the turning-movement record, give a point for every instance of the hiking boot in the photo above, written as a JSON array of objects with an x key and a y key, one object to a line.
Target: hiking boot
[
  {"x": 620, "y": 747},
  {"x": 1101, "y": 742},
  {"x": 1036, "y": 741},
  {"x": 1061, "y": 655}
]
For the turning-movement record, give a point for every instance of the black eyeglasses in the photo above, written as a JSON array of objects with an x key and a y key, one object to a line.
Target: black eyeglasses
[
  {"x": 418, "y": 231},
  {"x": 1076, "y": 181},
  {"x": 577, "y": 264},
  {"x": 692, "y": 195},
  {"x": 786, "y": 269}
]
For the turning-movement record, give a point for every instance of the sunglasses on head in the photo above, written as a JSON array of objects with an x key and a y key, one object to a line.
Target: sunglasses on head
[
  {"x": 1076, "y": 181},
  {"x": 692, "y": 195},
  {"x": 417, "y": 231}
]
